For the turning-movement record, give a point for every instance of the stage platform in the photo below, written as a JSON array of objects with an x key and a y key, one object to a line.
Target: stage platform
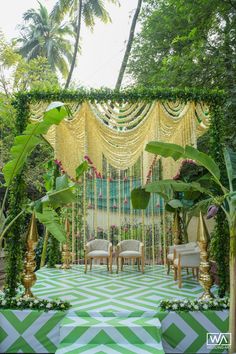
[
  {"x": 111, "y": 314},
  {"x": 128, "y": 292}
]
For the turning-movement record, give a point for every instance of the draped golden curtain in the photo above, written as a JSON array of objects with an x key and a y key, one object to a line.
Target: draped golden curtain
[{"x": 121, "y": 132}]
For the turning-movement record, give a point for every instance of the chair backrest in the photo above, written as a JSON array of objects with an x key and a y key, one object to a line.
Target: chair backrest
[
  {"x": 130, "y": 245},
  {"x": 98, "y": 245}
]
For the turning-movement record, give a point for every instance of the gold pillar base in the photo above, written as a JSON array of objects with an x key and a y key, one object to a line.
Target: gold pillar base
[
  {"x": 66, "y": 257},
  {"x": 207, "y": 295},
  {"x": 205, "y": 278}
]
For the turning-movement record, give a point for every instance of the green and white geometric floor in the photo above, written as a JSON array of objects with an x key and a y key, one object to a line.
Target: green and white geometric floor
[
  {"x": 101, "y": 292},
  {"x": 112, "y": 313}
]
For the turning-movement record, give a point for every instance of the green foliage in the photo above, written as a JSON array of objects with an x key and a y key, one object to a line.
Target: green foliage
[
  {"x": 140, "y": 198},
  {"x": 220, "y": 234},
  {"x": 177, "y": 152},
  {"x": 50, "y": 219},
  {"x": 131, "y": 95},
  {"x": 53, "y": 251},
  {"x": 185, "y": 44},
  {"x": 83, "y": 167},
  {"x": 31, "y": 137},
  {"x": 52, "y": 43}
]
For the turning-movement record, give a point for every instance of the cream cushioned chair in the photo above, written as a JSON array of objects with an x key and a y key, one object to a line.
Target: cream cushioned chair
[
  {"x": 186, "y": 259},
  {"x": 170, "y": 252},
  {"x": 98, "y": 249},
  {"x": 130, "y": 249}
]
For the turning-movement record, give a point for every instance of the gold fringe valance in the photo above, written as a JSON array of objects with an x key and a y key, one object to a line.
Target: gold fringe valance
[{"x": 120, "y": 131}]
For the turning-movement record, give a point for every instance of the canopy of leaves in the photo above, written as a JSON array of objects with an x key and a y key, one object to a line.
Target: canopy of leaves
[{"x": 42, "y": 35}]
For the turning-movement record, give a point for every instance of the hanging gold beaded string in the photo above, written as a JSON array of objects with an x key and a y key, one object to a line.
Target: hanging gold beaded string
[
  {"x": 73, "y": 232},
  {"x": 108, "y": 201},
  {"x": 119, "y": 206},
  {"x": 130, "y": 204},
  {"x": 142, "y": 212},
  {"x": 95, "y": 220}
]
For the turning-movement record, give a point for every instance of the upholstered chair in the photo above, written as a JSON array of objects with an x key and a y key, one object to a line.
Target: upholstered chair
[
  {"x": 130, "y": 249},
  {"x": 170, "y": 252},
  {"x": 189, "y": 258},
  {"x": 98, "y": 249}
]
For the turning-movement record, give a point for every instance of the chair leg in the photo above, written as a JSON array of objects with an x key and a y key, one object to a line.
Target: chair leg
[
  {"x": 91, "y": 263},
  {"x": 142, "y": 264},
  {"x": 193, "y": 271},
  {"x": 197, "y": 273},
  {"x": 122, "y": 263},
  {"x": 111, "y": 263},
  {"x": 108, "y": 264},
  {"x": 168, "y": 268},
  {"x": 179, "y": 277},
  {"x": 85, "y": 264},
  {"x": 187, "y": 271},
  {"x": 138, "y": 261},
  {"x": 117, "y": 265},
  {"x": 175, "y": 273}
]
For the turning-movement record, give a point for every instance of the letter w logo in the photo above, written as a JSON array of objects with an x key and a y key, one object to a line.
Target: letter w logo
[{"x": 223, "y": 339}]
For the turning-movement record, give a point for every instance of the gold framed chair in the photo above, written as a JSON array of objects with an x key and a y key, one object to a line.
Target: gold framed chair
[
  {"x": 186, "y": 259},
  {"x": 171, "y": 250},
  {"x": 98, "y": 249},
  {"x": 130, "y": 249}
]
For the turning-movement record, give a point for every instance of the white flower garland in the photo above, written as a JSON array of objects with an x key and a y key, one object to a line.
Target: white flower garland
[
  {"x": 20, "y": 303},
  {"x": 216, "y": 304}
]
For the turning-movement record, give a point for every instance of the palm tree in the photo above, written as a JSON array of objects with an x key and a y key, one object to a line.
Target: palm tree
[
  {"x": 78, "y": 10},
  {"x": 42, "y": 36},
  {"x": 129, "y": 45}
]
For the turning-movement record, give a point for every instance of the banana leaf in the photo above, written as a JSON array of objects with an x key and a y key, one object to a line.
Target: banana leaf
[
  {"x": 140, "y": 198},
  {"x": 24, "y": 144},
  {"x": 163, "y": 187},
  {"x": 177, "y": 152},
  {"x": 230, "y": 162},
  {"x": 51, "y": 221},
  {"x": 83, "y": 167}
]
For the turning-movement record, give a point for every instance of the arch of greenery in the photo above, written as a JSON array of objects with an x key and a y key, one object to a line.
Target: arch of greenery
[{"x": 23, "y": 102}]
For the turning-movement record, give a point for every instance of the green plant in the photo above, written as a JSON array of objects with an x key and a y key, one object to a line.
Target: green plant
[
  {"x": 45, "y": 207},
  {"x": 41, "y": 35},
  {"x": 225, "y": 199}
]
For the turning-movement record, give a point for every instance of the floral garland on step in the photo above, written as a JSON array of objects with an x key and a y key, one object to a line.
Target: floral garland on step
[
  {"x": 20, "y": 303},
  {"x": 217, "y": 304}
]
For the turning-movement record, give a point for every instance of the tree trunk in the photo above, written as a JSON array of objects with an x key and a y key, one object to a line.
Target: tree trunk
[
  {"x": 128, "y": 47},
  {"x": 76, "y": 47},
  {"x": 232, "y": 310}
]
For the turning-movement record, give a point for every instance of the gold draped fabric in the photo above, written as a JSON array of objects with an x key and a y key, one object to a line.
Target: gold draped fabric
[{"x": 120, "y": 132}]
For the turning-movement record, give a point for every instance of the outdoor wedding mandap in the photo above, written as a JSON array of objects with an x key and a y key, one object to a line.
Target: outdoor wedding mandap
[{"x": 131, "y": 263}]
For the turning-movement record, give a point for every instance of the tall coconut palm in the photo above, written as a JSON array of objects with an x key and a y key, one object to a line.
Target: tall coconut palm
[
  {"x": 78, "y": 10},
  {"x": 42, "y": 35},
  {"x": 129, "y": 46}
]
